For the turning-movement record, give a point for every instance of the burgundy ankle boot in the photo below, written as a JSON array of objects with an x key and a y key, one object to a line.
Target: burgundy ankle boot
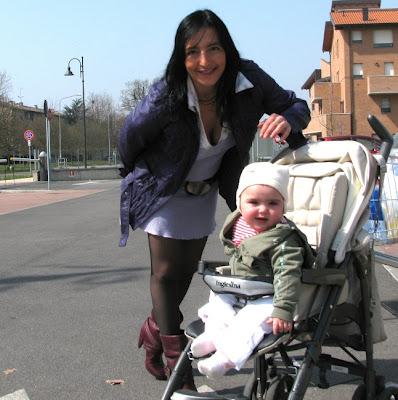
[
  {"x": 150, "y": 339},
  {"x": 173, "y": 346}
]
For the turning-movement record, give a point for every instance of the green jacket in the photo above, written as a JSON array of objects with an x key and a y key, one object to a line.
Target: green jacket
[{"x": 278, "y": 253}]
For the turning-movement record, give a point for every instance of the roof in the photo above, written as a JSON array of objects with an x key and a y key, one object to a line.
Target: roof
[
  {"x": 346, "y": 17},
  {"x": 357, "y": 17},
  {"x": 327, "y": 36},
  {"x": 316, "y": 74}
]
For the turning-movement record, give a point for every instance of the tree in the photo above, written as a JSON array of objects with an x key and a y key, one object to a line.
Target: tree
[
  {"x": 7, "y": 138},
  {"x": 134, "y": 92},
  {"x": 73, "y": 113},
  {"x": 100, "y": 106}
]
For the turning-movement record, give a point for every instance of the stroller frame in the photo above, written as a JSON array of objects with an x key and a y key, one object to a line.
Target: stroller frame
[{"x": 288, "y": 377}]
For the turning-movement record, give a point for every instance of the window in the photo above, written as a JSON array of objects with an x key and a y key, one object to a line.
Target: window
[
  {"x": 388, "y": 68},
  {"x": 385, "y": 106},
  {"x": 357, "y": 70},
  {"x": 356, "y": 37},
  {"x": 382, "y": 38},
  {"x": 341, "y": 106}
]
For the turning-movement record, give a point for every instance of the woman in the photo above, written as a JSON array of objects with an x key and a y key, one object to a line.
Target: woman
[{"x": 184, "y": 144}]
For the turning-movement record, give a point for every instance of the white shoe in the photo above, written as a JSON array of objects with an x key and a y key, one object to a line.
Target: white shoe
[
  {"x": 202, "y": 345},
  {"x": 215, "y": 366}
]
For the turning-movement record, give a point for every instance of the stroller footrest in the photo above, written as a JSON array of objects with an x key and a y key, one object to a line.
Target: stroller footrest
[
  {"x": 271, "y": 341},
  {"x": 327, "y": 276}
]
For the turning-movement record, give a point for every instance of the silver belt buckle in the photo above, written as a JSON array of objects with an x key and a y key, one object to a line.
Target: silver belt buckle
[{"x": 199, "y": 188}]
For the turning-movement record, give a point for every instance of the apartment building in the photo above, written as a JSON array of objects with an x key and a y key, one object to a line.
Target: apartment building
[{"x": 361, "y": 75}]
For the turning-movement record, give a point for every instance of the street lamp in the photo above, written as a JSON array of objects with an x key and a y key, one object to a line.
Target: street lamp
[
  {"x": 59, "y": 121},
  {"x": 70, "y": 73}
]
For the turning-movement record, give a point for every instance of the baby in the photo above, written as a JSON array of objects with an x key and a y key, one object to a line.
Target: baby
[{"x": 260, "y": 241}]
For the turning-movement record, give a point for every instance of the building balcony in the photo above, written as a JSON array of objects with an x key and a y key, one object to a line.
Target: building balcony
[
  {"x": 335, "y": 124},
  {"x": 319, "y": 91},
  {"x": 324, "y": 90},
  {"x": 382, "y": 84}
]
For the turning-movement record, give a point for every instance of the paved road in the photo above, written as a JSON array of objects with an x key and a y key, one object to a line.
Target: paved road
[{"x": 72, "y": 302}]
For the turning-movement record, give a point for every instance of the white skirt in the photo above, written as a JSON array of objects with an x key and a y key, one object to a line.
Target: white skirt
[{"x": 184, "y": 216}]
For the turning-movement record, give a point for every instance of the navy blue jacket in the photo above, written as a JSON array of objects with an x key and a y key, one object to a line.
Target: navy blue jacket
[{"x": 158, "y": 149}]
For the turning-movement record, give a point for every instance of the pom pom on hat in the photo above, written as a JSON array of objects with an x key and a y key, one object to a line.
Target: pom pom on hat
[{"x": 264, "y": 173}]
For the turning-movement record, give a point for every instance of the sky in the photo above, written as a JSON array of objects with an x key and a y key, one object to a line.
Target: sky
[{"x": 123, "y": 40}]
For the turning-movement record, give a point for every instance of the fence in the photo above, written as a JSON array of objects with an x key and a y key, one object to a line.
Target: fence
[{"x": 383, "y": 222}]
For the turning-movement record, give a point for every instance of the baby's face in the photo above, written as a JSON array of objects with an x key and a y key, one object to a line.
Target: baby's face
[{"x": 261, "y": 206}]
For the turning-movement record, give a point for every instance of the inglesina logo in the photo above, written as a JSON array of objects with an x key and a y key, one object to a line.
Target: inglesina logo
[{"x": 230, "y": 284}]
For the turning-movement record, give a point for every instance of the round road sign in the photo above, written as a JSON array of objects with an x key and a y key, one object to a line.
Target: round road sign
[{"x": 28, "y": 135}]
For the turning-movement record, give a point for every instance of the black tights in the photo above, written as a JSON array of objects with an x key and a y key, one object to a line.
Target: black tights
[{"x": 173, "y": 263}]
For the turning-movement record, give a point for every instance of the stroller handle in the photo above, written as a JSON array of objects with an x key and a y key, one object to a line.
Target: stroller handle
[{"x": 383, "y": 134}]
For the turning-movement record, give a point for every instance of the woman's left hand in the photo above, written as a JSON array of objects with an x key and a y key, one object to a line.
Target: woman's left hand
[{"x": 275, "y": 127}]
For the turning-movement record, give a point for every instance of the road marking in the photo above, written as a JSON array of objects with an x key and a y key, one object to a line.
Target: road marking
[
  {"x": 18, "y": 395},
  {"x": 85, "y": 183},
  {"x": 392, "y": 271}
]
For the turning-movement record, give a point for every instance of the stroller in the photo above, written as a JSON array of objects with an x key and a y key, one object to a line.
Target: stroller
[{"x": 330, "y": 186}]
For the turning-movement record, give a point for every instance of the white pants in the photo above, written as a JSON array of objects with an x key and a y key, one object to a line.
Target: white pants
[{"x": 236, "y": 332}]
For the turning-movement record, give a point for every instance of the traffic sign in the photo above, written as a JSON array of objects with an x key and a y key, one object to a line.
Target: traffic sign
[{"x": 28, "y": 135}]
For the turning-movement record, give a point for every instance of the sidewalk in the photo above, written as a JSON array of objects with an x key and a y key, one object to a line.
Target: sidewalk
[
  {"x": 15, "y": 182},
  {"x": 25, "y": 194}
]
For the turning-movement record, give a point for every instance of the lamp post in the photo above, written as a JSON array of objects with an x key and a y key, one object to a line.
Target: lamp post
[
  {"x": 70, "y": 73},
  {"x": 59, "y": 122},
  {"x": 109, "y": 138}
]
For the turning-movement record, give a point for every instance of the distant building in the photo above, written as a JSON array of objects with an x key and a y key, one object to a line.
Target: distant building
[
  {"x": 30, "y": 113},
  {"x": 360, "y": 77}
]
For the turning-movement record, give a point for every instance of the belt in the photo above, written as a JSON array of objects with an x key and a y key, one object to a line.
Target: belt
[{"x": 199, "y": 188}]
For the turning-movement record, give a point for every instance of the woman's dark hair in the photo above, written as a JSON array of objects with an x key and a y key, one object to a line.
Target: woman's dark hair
[{"x": 176, "y": 73}]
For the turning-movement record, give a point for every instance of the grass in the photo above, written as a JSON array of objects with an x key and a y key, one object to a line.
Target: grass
[{"x": 10, "y": 177}]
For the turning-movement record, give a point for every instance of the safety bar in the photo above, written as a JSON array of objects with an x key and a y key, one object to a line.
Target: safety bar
[{"x": 383, "y": 134}]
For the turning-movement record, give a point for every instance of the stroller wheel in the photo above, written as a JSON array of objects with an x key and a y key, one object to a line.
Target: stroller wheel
[
  {"x": 360, "y": 392},
  {"x": 279, "y": 388},
  {"x": 251, "y": 387},
  {"x": 390, "y": 393}
]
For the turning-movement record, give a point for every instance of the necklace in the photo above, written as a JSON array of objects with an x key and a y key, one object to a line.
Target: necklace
[{"x": 211, "y": 100}]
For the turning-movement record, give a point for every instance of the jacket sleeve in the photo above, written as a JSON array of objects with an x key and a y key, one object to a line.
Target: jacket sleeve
[
  {"x": 284, "y": 102},
  {"x": 142, "y": 126},
  {"x": 287, "y": 260}
]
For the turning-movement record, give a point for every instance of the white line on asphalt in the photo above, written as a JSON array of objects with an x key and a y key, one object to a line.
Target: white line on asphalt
[
  {"x": 18, "y": 395},
  {"x": 85, "y": 183},
  {"x": 392, "y": 271}
]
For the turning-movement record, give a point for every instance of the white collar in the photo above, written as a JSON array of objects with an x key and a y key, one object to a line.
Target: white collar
[{"x": 241, "y": 84}]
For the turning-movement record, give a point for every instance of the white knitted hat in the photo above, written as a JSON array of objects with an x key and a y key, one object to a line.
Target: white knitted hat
[{"x": 264, "y": 173}]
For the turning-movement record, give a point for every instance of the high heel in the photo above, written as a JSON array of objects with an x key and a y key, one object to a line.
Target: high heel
[{"x": 149, "y": 338}]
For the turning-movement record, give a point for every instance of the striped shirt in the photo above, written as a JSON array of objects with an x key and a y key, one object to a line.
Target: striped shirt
[{"x": 241, "y": 230}]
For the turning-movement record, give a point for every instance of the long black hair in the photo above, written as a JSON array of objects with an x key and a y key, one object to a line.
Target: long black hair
[{"x": 176, "y": 73}]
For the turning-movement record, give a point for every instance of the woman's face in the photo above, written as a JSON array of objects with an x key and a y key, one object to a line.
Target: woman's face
[{"x": 204, "y": 60}]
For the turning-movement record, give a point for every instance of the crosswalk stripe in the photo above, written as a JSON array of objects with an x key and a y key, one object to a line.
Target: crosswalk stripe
[{"x": 18, "y": 395}]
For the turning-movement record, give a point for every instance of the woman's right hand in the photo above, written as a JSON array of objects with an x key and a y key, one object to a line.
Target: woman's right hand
[{"x": 275, "y": 127}]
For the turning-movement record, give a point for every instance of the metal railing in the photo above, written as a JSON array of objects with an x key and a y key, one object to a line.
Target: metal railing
[{"x": 383, "y": 222}]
